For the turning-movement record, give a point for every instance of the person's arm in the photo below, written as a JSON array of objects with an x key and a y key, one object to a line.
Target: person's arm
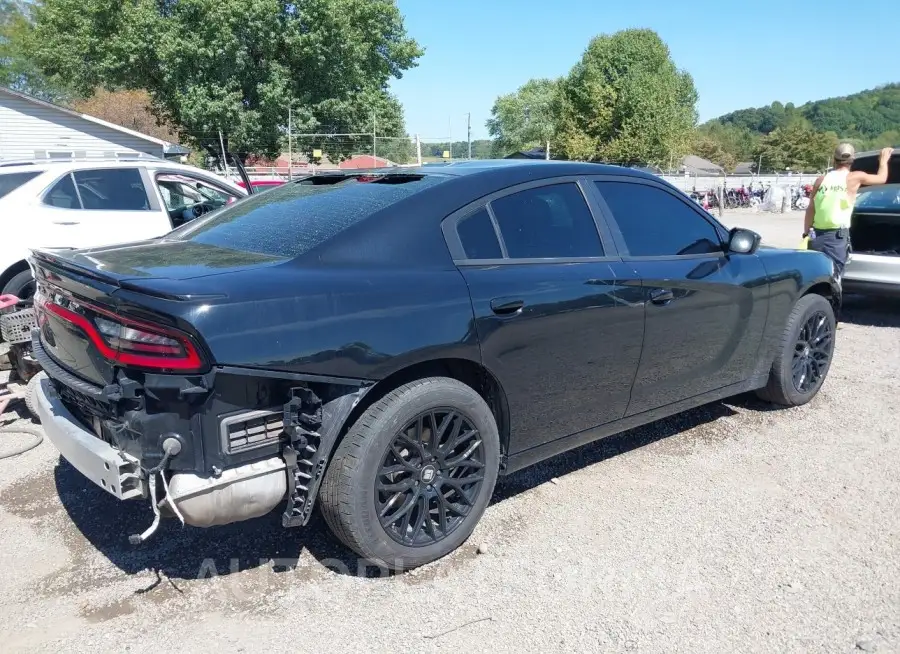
[
  {"x": 868, "y": 179},
  {"x": 810, "y": 215}
]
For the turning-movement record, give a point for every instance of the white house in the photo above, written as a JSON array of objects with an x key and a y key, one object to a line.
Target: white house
[{"x": 31, "y": 129}]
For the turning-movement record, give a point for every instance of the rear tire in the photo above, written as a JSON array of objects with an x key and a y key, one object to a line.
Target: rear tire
[
  {"x": 804, "y": 355},
  {"x": 21, "y": 285},
  {"x": 377, "y": 472}
]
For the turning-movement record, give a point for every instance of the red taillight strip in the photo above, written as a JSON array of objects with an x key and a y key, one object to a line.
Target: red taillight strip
[{"x": 190, "y": 362}]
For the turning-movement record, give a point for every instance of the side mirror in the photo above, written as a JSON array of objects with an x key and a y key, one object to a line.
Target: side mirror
[{"x": 743, "y": 241}]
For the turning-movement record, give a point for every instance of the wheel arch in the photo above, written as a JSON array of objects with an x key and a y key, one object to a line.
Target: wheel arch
[
  {"x": 469, "y": 372},
  {"x": 828, "y": 291},
  {"x": 12, "y": 271}
]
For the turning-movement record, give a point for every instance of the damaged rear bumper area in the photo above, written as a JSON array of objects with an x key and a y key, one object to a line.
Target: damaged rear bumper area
[{"x": 187, "y": 447}]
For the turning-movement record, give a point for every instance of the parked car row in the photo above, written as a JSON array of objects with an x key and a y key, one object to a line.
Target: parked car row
[{"x": 79, "y": 204}]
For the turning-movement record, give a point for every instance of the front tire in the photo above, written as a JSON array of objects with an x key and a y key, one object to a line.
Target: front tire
[
  {"x": 414, "y": 474},
  {"x": 804, "y": 354}
]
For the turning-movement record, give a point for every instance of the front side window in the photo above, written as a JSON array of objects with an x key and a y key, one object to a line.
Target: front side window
[
  {"x": 187, "y": 198},
  {"x": 551, "y": 221},
  {"x": 9, "y": 182},
  {"x": 112, "y": 189},
  {"x": 653, "y": 223}
]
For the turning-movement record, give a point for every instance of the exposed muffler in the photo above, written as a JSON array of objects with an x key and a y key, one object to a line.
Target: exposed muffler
[{"x": 241, "y": 493}]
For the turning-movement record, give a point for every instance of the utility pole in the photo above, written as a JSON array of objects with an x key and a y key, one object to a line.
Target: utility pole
[
  {"x": 469, "y": 131},
  {"x": 450, "y": 137},
  {"x": 418, "y": 150},
  {"x": 374, "y": 147},
  {"x": 547, "y": 151},
  {"x": 224, "y": 158},
  {"x": 290, "y": 151}
]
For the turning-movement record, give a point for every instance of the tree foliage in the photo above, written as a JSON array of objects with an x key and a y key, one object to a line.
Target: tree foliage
[
  {"x": 234, "y": 65},
  {"x": 867, "y": 119},
  {"x": 481, "y": 149},
  {"x": 725, "y": 145},
  {"x": 625, "y": 101},
  {"x": 865, "y": 115},
  {"x": 798, "y": 147},
  {"x": 18, "y": 70},
  {"x": 129, "y": 109},
  {"x": 524, "y": 119}
]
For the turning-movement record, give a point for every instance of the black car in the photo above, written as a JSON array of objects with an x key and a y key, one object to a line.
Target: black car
[{"x": 387, "y": 342}]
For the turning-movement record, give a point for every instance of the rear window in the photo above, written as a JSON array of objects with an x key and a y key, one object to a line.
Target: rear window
[
  {"x": 9, "y": 182},
  {"x": 292, "y": 219},
  {"x": 879, "y": 197}
]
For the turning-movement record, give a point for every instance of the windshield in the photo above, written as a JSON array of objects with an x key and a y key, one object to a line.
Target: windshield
[
  {"x": 9, "y": 182},
  {"x": 290, "y": 220},
  {"x": 886, "y": 196}
]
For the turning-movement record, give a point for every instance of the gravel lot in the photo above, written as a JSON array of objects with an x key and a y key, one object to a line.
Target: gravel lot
[{"x": 729, "y": 528}]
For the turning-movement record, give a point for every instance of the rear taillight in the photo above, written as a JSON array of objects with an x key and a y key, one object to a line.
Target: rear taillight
[{"x": 127, "y": 341}]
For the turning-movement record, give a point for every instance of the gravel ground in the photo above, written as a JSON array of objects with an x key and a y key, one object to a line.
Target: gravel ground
[{"x": 730, "y": 528}]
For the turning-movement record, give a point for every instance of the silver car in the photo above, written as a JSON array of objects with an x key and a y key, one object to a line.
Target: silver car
[{"x": 874, "y": 264}]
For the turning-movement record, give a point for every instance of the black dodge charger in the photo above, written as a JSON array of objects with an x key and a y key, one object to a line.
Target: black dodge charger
[{"x": 388, "y": 342}]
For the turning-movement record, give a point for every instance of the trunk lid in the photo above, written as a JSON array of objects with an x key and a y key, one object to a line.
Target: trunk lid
[
  {"x": 78, "y": 299},
  {"x": 868, "y": 162}
]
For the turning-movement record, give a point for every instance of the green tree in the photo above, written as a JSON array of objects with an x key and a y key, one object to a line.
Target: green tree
[
  {"x": 713, "y": 150},
  {"x": 798, "y": 147},
  {"x": 233, "y": 65},
  {"x": 18, "y": 69},
  {"x": 725, "y": 144},
  {"x": 626, "y": 102},
  {"x": 524, "y": 118},
  {"x": 860, "y": 116}
]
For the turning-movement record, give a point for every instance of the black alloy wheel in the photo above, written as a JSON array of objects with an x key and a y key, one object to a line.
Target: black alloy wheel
[
  {"x": 430, "y": 477},
  {"x": 812, "y": 352},
  {"x": 414, "y": 473},
  {"x": 804, "y": 355}
]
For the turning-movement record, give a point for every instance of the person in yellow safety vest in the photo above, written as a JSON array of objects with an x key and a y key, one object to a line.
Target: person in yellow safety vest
[{"x": 833, "y": 197}]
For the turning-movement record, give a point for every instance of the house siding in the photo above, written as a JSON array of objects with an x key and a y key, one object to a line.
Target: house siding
[{"x": 29, "y": 129}]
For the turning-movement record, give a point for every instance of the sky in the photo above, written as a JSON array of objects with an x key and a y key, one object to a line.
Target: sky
[{"x": 740, "y": 54}]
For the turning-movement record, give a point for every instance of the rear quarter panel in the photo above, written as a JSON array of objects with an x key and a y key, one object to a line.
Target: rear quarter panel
[{"x": 347, "y": 322}]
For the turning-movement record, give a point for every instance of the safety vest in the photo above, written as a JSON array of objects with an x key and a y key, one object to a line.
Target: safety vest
[{"x": 833, "y": 205}]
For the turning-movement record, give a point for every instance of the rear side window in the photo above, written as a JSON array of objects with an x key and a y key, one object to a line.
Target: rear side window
[
  {"x": 654, "y": 223},
  {"x": 113, "y": 189},
  {"x": 9, "y": 182},
  {"x": 547, "y": 222},
  {"x": 63, "y": 194},
  {"x": 296, "y": 217},
  {"x": 477, "y": 236}
]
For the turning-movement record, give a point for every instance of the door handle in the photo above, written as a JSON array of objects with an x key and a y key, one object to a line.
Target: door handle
[
  {"x": 505, "y": 306},
  {"x": 661, "y": 296}
]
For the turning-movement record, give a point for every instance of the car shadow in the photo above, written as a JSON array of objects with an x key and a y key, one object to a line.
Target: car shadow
[
  {"x": 182, "y": 553},
  {"x": 868, "y": 311}
]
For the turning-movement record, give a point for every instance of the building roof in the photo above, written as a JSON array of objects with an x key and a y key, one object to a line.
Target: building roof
[
  {"x": 167, "y": 147},
  {"x": 694, "y": 164},
  {"x": 744, "y": 168},
  {"x": 366, "y": 161},
  {"x": 534, "y": 153}
]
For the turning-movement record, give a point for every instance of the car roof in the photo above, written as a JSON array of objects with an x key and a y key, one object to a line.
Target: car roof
[
  {"x": 551, "y": 167},
  {"x": 81, "y": 164},
  {"x": 54, "y": 168}
]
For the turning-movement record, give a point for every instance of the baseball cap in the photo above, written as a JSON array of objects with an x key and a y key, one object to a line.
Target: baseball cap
[{"x": 844, "y": 153}]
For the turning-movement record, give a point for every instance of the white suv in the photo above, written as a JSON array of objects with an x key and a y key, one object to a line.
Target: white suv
[{"x": 78, "y": 204}]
